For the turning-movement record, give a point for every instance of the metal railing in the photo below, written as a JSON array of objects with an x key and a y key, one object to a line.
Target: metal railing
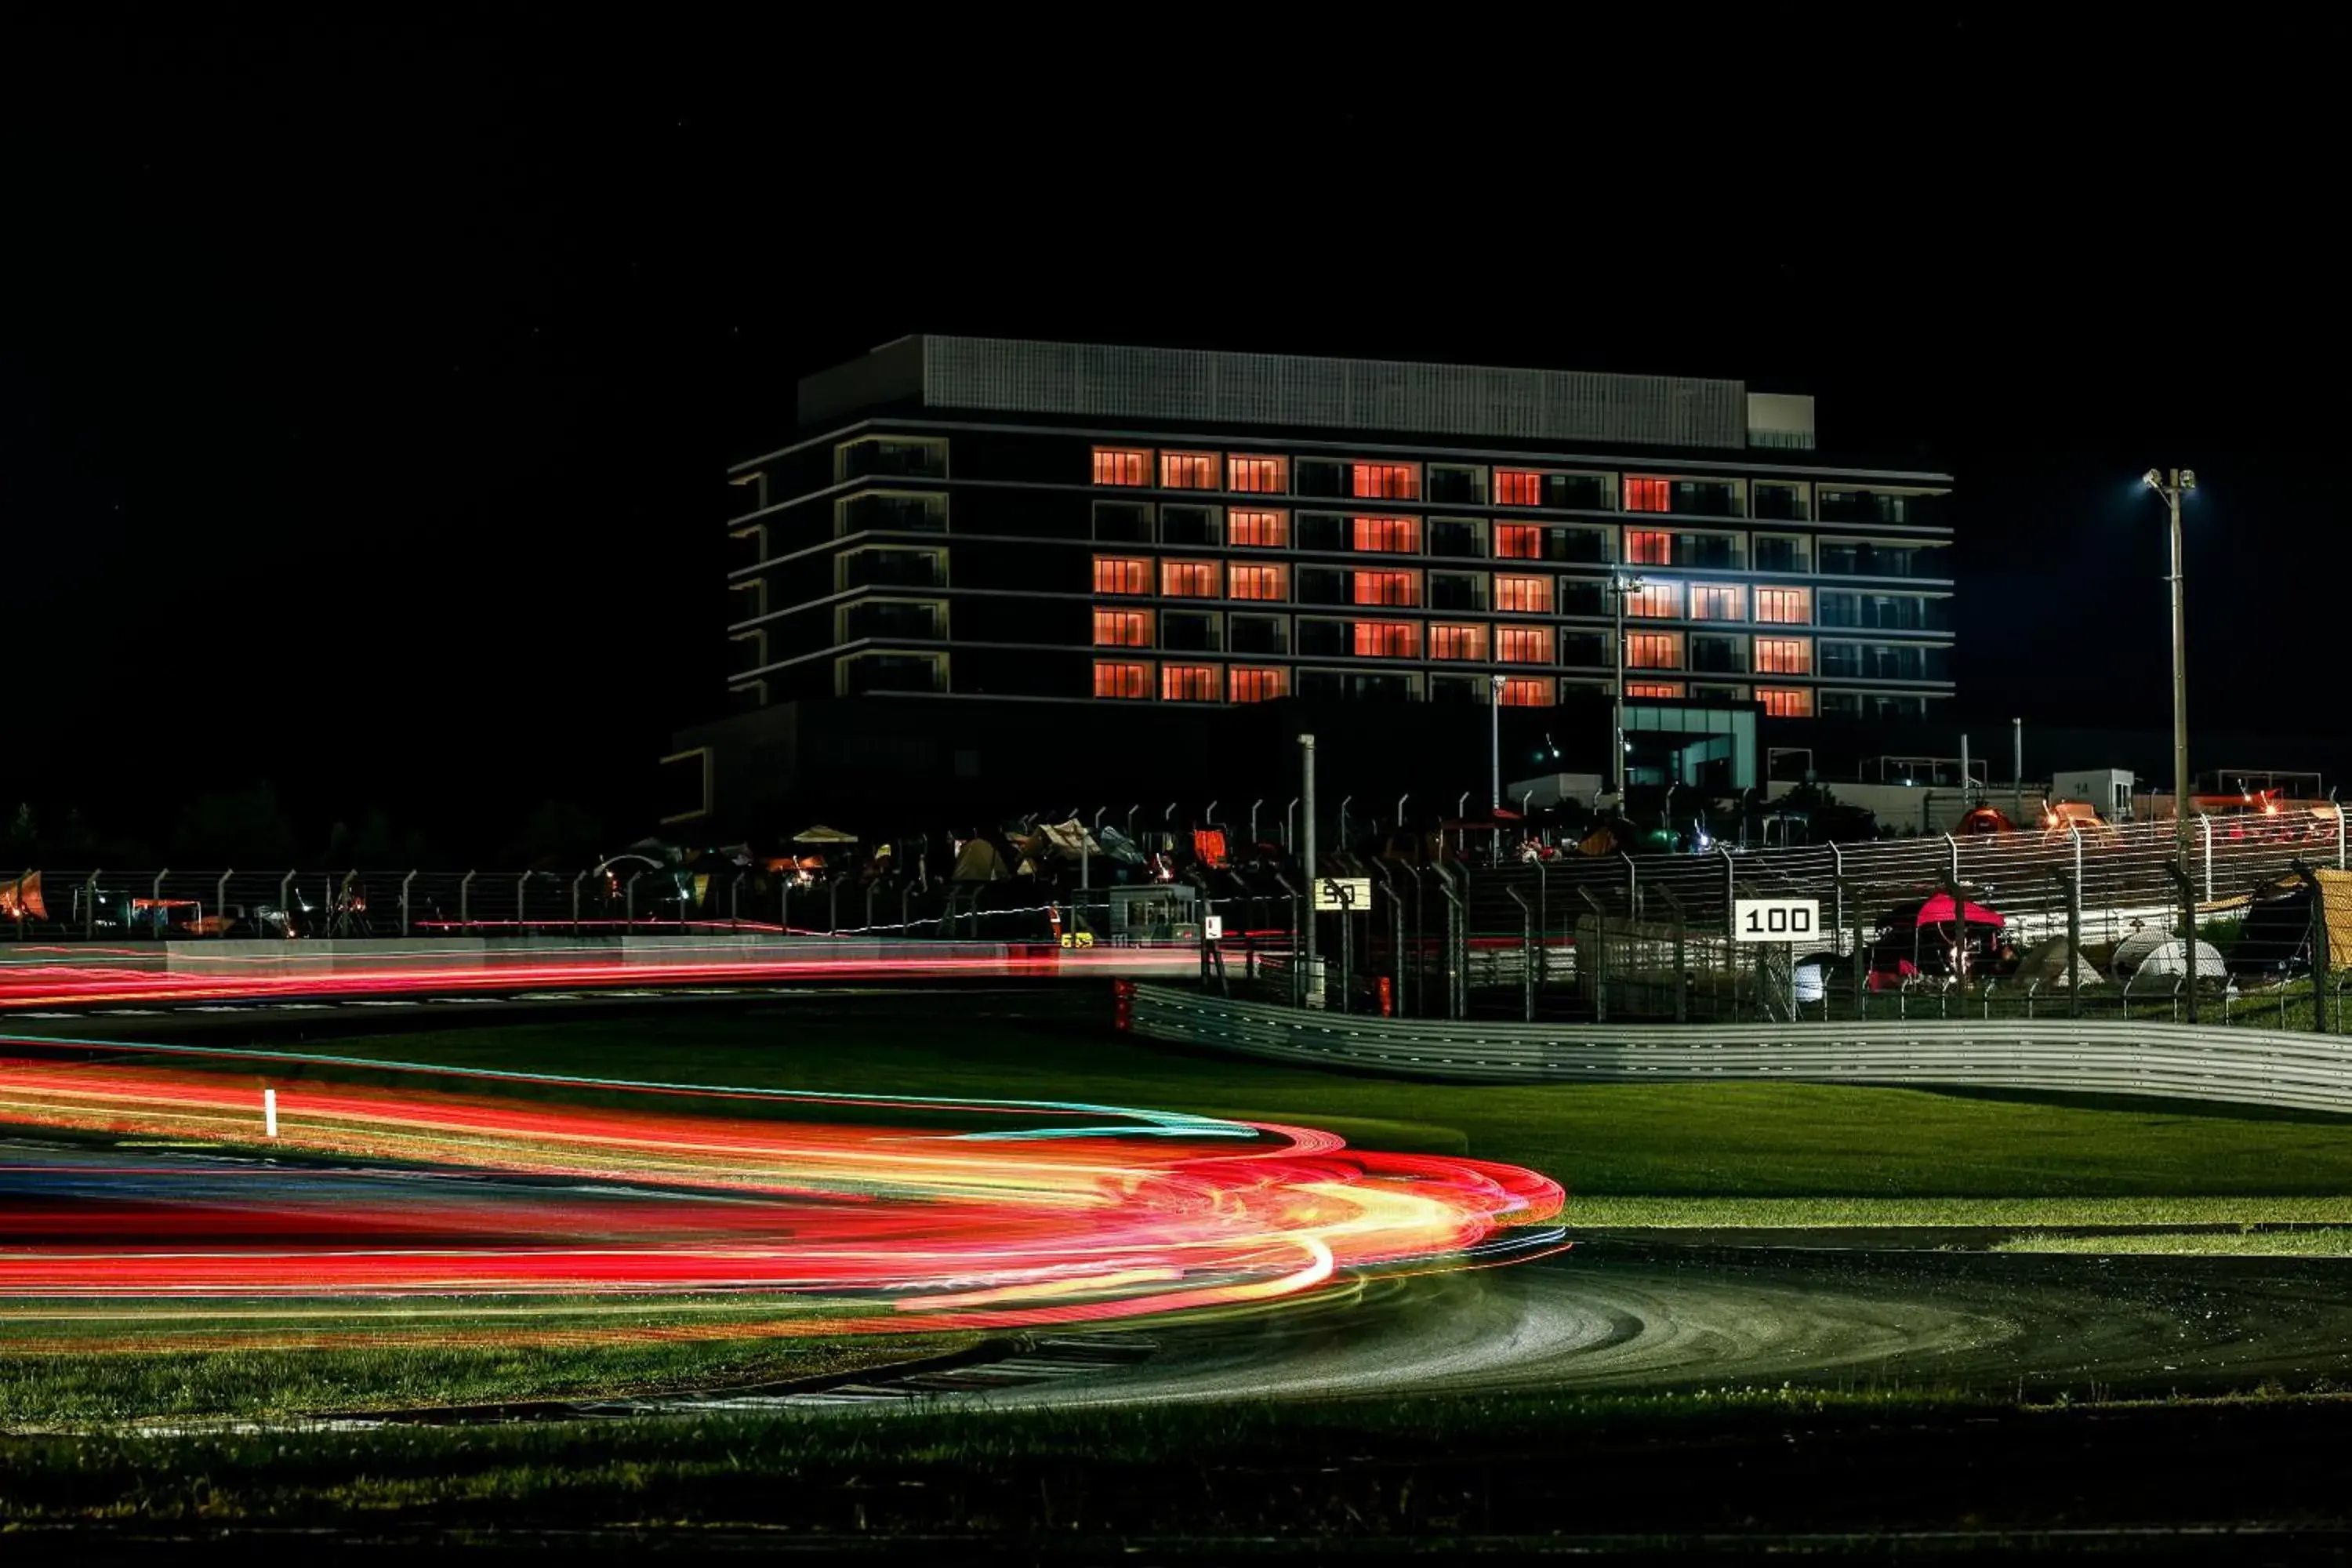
[{"x": 2229, "y": 1066}]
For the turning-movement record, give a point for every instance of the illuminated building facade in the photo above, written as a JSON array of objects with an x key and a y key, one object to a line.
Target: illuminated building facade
[{"x": 1045, "y": 523}]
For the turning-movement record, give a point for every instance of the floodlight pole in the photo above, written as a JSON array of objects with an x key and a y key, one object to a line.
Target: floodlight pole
[
  {"x": 1494, "y": 747},
  {"x": 2171, "y": 486}
]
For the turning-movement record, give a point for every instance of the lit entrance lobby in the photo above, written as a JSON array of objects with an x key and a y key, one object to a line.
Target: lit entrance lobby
[{"x": 1691, "y": 744}]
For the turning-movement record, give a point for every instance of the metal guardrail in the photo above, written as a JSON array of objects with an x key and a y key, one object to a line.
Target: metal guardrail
[{"x": 2234, "y": 1065}]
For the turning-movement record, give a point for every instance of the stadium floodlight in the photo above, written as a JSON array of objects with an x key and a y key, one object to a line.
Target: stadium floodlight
[{"x": 2172, "y": 487}]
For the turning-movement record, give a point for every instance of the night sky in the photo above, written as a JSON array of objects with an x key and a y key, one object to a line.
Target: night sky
[{"x": 364, "y": 398}]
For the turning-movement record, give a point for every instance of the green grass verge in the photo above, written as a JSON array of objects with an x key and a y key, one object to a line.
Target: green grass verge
[
  {"x": 1534, "y": 1464},
  {"x": 1828, "y": 1213},
  {"x": 747, "y": 1467},
  {"x": 2322, "y": 1242},
  {"x": 83, "y": 1390},
  {"x": 1666, "y": 1140}
]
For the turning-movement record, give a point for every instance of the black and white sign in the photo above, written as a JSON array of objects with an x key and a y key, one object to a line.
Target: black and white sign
[
  {"x": 1776, "y": 919},
  {"x": 1327, "y": 891}
]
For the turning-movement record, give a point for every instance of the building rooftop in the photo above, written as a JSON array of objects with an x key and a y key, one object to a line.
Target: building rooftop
[{"x": 1296, "y": 391}]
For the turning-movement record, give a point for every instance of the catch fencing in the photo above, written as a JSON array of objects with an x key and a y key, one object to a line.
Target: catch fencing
[
  {"x": 2237, "y": 1066},
  {"x": 73, "y": 905},
  {"x": 1647, "y": 935}
]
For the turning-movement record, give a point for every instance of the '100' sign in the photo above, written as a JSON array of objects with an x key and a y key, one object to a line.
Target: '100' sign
[{"x": 1774, "y": 919}]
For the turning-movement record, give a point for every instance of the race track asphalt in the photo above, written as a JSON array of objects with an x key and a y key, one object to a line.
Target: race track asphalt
[{"x": 1651, "y": 1312}]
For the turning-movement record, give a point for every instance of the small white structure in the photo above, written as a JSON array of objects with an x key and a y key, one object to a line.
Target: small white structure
[
  {"x": 2108, "y": 790},
  {"x": 1547, "y": 790}
]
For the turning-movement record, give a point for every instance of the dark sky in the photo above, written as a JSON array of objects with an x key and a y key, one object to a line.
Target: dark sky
[{"x": 363, "y": 395}]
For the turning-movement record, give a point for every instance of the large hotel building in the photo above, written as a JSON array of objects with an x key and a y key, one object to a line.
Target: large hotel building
[{"x": 986, "y": 522}]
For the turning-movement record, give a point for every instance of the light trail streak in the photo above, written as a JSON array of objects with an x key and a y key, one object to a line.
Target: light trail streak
[
  {"x": 34, "y": 978},
  {"x": 806, "y": 1213}
]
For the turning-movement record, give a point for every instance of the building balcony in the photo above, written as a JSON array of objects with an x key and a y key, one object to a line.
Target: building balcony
[
  {"x": 893, "y": 569},
  {"x": 876, "y": 672}
]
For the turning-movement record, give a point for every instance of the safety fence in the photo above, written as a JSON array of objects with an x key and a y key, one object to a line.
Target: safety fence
[
  {"x": 99, "y": 905},
  {"x": 1647, "y": 935},
  {"x": 2241, "y": 1066},
  {"x": 2117, "y": 875}
]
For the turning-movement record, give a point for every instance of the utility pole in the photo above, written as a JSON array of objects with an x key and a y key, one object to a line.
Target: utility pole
[
  {"x": 2172, "y": 486},
  {"x": 2017, "y": 765},
  {"x": 1308, "y": 862},
  {"x": 1619, "y": 586}
]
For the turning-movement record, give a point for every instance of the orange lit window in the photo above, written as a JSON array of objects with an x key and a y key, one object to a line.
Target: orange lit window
[
  {"x": 1122, "y": 575},
  {"x": 1785, "y": 606},
  {"x": 1189, "y": 579},
  {"x": 1190, "y": 471},
  {"x": 1243, "y": 581},
  {"x": 1654, "y": 650},
  {"x": 1122, "y": 680},
  {"x": 1656, "y": 602},
  {"x": 1251, "y": 684},
  {"x": 1122, "y": 628},
  {"x": 1648, "y": 495},
  {"x": 1388, "y": 639},
  {"x": 1190, "y": 683},
  {"x": 1258, "y": 476},
  {"x": 1397, "y": 536},
  {"x": 1528, "y": 594},
  {"x": 1458, "y": 642},
  {"x": 1708, "y": 602},
  {"x": 1646, "y": 549},
  {"x": 1523, "y": 645},
  {"x": 1386, "y": 481},
  {"x": 1265, "y": 530},
  {"x": 1786, "y": 702},
  {"x": 1784, "y": 656},
  {"x": 1529, "y": 691},
  {"x": 1386, "y": 587},
  {"x": 1519, "y": 541},
  {"x": 1654, "y": 688},
  {"x": 1514, "y": 487},
  {"x": 1122, "y": 465}
]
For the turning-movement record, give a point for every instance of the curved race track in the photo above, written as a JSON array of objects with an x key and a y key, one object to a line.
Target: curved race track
[
  {"x": 1627, "y": 1314},
  {"x": 1620, "y": 1311}
]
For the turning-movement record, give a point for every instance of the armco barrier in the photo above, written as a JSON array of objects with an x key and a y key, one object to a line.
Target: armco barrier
[{"x": 2229, "y": 1066}]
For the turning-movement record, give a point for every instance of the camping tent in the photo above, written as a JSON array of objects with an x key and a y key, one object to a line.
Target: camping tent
[
  {"x": 2133, "y": 951},
  {"x": 1071, "y": 838},
  {"x": 821, "y": 834},
  {"x": 978, "y": 861},
  {"x": 2046, "y": 964},
  {"x": 2170, "y": 957},
  {"x": 2336, "y": 910}
]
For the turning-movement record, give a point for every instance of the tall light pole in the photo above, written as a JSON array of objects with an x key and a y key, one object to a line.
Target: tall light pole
[
  {"x": 2172, "y": 486},
  {"x": 1619, "y": 586},
  {"x": 1495, "y": 744}
]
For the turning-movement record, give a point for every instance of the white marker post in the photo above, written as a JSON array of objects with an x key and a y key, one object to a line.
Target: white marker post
[{"x": 269, "y": 1111}]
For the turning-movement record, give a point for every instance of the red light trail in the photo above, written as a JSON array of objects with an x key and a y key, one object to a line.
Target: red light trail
[
  {"x": 791, "y": 1213},
  {"x": 51, "y": 977}
]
